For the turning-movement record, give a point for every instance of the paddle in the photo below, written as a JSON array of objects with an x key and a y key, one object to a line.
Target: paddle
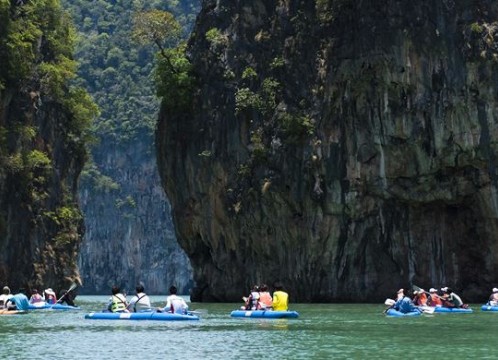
[
  {"x": 389, "y": 303},
  {"x": 199, "y": 312},
  {"x": 73, "y": 286},
  {"x": 416, "y": 288},
  {"x": 425, "y": 309}
]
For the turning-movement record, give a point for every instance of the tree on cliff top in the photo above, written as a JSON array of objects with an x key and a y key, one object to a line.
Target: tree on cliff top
[{"x": 173, "y": 72}]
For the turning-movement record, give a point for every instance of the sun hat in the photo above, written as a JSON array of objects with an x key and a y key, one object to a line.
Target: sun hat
[{"x": 432, "y": 290}]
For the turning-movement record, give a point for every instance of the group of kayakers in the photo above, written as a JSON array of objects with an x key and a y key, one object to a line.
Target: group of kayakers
[
  {"x": 260, "y": 298},
  {"x": 446, "y": 297},
  {"x": 141, "y": 302},
  {"x": 12, "y": 302},
  {"x": 19, "y": 301}
]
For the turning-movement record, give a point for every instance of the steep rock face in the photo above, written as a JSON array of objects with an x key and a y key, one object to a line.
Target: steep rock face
[
  {"x": 346, "y": 148},
  {"x": 42, "y": 148},
  {"x": 129, "y": 232}
]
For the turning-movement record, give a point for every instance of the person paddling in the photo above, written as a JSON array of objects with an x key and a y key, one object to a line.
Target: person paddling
[
  {"x": 403, "y": 303},
  {"x": 452, "y": 300}
]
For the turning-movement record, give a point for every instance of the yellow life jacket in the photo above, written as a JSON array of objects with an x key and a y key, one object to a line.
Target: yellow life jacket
[
  {"x": 118, "y": 304},
  {"x": 280, "y": 301}
]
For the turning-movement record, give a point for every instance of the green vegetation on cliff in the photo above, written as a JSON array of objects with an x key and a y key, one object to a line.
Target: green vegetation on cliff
[
  {"x": 119, "y": 72},
  {"x": 44, "y": 128}
]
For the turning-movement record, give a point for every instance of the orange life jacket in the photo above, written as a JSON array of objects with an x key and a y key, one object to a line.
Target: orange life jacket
[
  {"x": 435, "y": 301},
  {"x": 265, "y": 298}
]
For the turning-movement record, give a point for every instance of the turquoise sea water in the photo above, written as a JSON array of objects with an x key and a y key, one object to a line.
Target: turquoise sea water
[{"x": 323, "y": 331}]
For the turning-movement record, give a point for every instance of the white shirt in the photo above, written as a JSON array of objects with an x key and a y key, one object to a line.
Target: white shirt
[
  {"x": 142, "y": 304},
  {"x": 176, "y": 304},
  {"x": 4, "y": 298}
]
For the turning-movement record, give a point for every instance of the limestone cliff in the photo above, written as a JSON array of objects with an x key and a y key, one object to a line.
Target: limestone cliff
[
  {"x": 129, "y": 234},
  {"x": 42, "y": 147},
  {"x": 346, "y": 148}
]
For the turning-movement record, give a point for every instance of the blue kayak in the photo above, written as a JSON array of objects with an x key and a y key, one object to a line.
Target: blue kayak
[
  {"x": 148, "y": 315},
  {"x": 396, "y": 313},
  {"x": 268, "y": 314},
  {"x": 439, "y": 309},
  {"x": 46, "y": 306},
  {"x": 489, "y": 308}
]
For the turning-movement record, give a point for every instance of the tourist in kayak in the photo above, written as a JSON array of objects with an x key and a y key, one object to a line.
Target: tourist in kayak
[
  {"x": 17, "y": 302},
  {"x": 140, "y": 302},
  {"x": 493, "y": 298},
  {"x": 434, "y": 299},
  {"x": 66, "y": 296},
  {"x": 420, "y": 298},
  {"x": 452, "y": 300},
  {"x": 36, "y": 297},
  {"x": 117, "y": 302},
  {"x": 265, "y": 299},
  {"x": 6, "y": 295},
  {"x": 280, "y": 298},
  {"x": 403, "y": 303},
  {"x": 174, "y": 303},
  {"x": 252, "y": 301},
  {"x": 50, "y": 297}
]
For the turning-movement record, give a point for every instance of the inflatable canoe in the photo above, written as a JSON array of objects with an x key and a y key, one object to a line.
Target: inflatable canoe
[
  {"x": 452, "y": 310},
  {"x": 264, "y": 314},
  {"x": 45, "y": 306},
  {"x": 396, "y": 313},
  {"x": 489, "y": 308},
  {"x": 11, "y": 312},
  {"x": 140, "y": 316}
]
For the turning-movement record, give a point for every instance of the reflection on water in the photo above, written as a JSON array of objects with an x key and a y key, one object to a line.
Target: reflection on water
[{"x": 324, "y": 331}]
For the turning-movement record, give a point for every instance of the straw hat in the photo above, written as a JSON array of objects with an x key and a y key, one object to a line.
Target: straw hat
[{"x": 50, "y": 291}]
